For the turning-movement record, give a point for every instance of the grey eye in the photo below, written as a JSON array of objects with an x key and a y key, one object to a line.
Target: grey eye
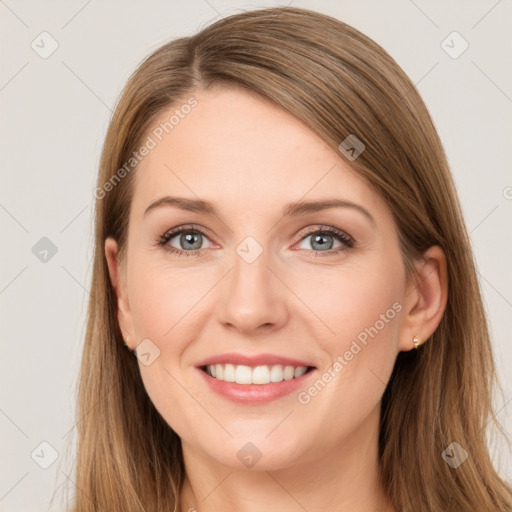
[
  {"x": 188, "y": 240},
  {"x": 320, "y": 241}
]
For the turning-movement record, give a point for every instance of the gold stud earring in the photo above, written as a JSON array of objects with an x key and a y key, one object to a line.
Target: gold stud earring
[{"x": 416, "y": 342}]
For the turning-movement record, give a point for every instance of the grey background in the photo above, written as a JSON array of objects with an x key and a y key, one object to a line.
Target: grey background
[{"x": 54, "y": 114}]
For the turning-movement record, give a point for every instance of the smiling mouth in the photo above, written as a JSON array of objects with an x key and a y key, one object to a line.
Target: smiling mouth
[{"x": 263, "y": 374}]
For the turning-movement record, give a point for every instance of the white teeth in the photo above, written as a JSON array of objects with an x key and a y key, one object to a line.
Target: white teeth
[
  {"x": 229, "y": 373},
  {"x": 261, "y": 375},
  {"x": 288, "y": 372},
  {"x": 276, "y": 373},
  {"x": 301, "y": 370},
  {"x": 242, "y": 374}
]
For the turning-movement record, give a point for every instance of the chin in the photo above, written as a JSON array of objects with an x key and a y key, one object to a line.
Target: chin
[{"x": 254, "y": 453}]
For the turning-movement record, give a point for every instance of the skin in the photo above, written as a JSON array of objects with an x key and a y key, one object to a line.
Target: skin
[{"x": 249, "y": 158}]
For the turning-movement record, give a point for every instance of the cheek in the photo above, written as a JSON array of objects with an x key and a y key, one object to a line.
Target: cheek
[
  {"x": 162, "y": 299},
  {"x": 363, "y": 311},
  {"x": 165, "y": 303},
  {"x": 360, "y": 311}
]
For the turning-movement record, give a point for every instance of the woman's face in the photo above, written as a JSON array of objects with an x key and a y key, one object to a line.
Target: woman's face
[{"x": 259, "y": 278}]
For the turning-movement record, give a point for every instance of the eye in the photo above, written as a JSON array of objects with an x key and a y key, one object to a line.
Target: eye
[
  {"x": 322, "y": 241},
  {"x": 189, "y": 240}
]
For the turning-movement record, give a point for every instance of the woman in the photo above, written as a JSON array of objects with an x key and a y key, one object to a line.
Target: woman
[{"x": 321, "y": 344}]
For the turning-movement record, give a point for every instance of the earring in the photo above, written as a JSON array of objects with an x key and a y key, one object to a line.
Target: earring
[{"x": 416, "y": 342}]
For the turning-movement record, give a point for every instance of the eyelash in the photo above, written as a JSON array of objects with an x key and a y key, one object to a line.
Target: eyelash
[{"x": 347, "y": 240}]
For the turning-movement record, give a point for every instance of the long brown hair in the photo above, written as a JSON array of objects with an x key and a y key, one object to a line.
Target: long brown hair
[{"x": 339, "y": 82}]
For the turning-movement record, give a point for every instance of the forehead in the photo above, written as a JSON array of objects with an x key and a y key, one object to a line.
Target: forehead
[{"x": 239, "y": 150}]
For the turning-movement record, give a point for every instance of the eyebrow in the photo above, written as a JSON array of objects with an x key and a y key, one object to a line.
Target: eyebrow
[{"x": 294, "y": 209}]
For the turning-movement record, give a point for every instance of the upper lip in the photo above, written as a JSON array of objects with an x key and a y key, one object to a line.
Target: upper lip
[{"x": 252, "y": 360}]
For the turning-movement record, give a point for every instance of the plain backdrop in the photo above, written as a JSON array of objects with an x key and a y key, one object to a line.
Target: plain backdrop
[{"x": 54, "y": 113}]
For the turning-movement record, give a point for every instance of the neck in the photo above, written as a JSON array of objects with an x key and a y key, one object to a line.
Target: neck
[{"x": 340, "y": 479}]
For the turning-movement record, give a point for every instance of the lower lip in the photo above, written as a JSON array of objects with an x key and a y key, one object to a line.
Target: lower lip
[{"x": 255, "y": 393}]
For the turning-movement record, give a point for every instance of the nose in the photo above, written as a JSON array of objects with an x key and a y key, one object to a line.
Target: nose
[{"x": 253, "y": 298}]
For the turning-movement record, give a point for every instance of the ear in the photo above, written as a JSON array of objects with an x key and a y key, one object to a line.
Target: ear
[
  {"x": 118, "y": 278},
  {"x": 426, "y": 297}
]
